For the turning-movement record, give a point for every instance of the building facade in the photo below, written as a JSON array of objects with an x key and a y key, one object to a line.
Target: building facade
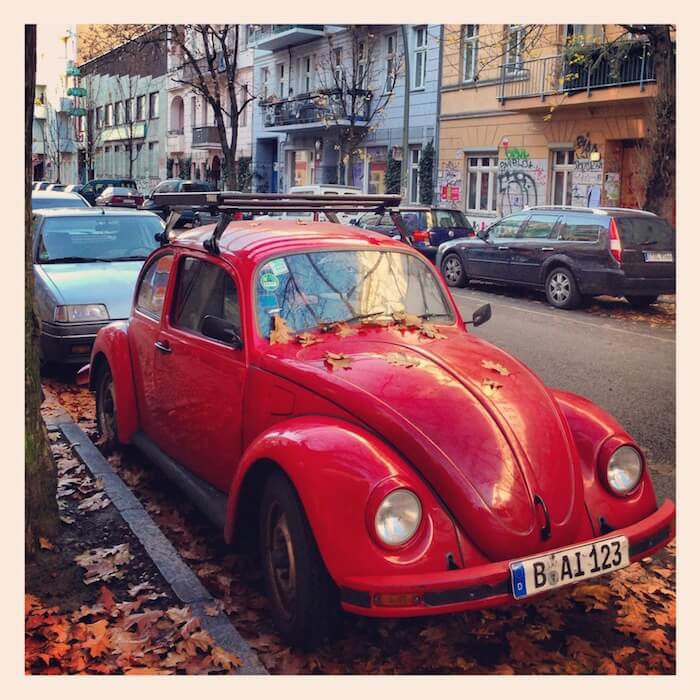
[
  {"x": 524, "y": 122},
  {"x": 124, "y": 131},
  {"x": 305, "y": 76}
]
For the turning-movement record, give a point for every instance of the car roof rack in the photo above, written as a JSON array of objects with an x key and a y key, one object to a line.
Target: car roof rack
[{"x": 228, "y": 203}]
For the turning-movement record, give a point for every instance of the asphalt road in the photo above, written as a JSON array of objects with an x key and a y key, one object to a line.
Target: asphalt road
[{"x": 626, "y": 367}]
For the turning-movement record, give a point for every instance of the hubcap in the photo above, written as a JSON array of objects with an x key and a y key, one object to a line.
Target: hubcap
[
  {"x": 453, "y": 269},
  {"x": 560, "y": 287},
  {"x": 281, "y": 563}
]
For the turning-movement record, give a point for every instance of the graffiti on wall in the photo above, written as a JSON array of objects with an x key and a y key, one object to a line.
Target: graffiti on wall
[
  {"x": 450, "y": 181},
  {"x": 587, "y": 178},
  {"x": 521, "y": 181}
]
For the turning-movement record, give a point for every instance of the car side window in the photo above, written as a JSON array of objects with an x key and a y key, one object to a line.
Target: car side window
[
  {"x": 369, "y": 220},
  {"x": 154, "y": 282},
  {"x": 88, "y": 189},
  {"x": 99, "y": 187},
  {"x": 539, "y": 226},
  {"x": 581, "y": 228},
  {"x": 203, "y": 289},
  {"x": 508, "y": 227}
]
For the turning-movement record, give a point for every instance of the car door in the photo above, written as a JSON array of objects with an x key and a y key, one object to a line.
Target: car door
[
  {"x": 201, "y": 380},
  {"x": 491, "y": 259},
  {"x": 532, "y": 247}
]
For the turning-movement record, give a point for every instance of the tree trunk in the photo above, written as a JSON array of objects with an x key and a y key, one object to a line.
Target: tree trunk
[
  {"x": 660, "y": 195},
  {"x": 40, "y": 509}
]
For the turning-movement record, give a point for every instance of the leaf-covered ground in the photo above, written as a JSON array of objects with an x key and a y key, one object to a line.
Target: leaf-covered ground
[{"x": 623, "y": 623}]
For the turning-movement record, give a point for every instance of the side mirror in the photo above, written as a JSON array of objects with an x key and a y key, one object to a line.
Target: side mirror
[
  {"x": 480, "y": 316},
  {"x": 483, "y": 234},
  {"x": 220, "y": 329}
]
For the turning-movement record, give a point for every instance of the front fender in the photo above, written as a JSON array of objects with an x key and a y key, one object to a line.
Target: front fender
[
  {"x": 592, "y": 427},
  {"x": 338, "y": 469},
  {"x": 112, "y": 346}
]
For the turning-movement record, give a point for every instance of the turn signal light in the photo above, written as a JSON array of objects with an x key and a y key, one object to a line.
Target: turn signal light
[
  {"x": 421, "y": 236},
  {"x": 615, "y": 243},
  {"x": 396, "y": 600}
]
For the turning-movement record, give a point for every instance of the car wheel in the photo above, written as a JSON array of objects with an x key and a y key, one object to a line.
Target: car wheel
[
  {"x": 196, "y": 221},
  {"x": 453, "y": 270},
  {"x": 641, "y": 302},
  {"x": 561, "y": 289},
  {"x": 304, "y": 600},
  {"x": 106, "y": 409}
]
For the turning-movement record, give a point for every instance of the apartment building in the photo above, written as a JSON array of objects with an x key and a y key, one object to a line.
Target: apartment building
[
  {"x": 193, "y": 145},
  {"x": 124, "y": 130},
  {"x": 314, "y": 81},
  {"x": 524, "y": 122}
]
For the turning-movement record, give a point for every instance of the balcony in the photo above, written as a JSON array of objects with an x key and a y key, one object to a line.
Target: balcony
[
  {"x": 272, "y": 37},
  {"x": 205, "y": 137},
  {"x": 314, "y": 111},
  {"x": 560, "y": 74}
]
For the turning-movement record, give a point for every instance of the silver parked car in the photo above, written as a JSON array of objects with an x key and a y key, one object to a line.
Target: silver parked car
[
  {"x": 49, "y": 199},
  {"x": 86, "y": 262}
]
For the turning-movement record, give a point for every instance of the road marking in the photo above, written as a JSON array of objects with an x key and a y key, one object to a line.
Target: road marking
[{"x": 464, "y": 295}]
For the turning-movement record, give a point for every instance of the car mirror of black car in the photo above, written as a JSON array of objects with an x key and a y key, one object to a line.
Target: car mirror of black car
[
  {"x": 483, "y": 234},
  {"x": 480, "y": 316},
  {"x": 221, "y": 329}
]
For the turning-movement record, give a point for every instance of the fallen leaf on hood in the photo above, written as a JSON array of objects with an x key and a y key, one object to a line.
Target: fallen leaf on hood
[
  {"x": 336, "y": 360},
  {"x": 281, "y": 333},
  {"x": 402, "y": 360},
  {"x": 305, "y": 339},
  {"x": 381, "y": 321},
  {"x": 429, "y": 331},
  {"x": 490, "y": 387},
  {"x": 488, "y": 364},
  {"x": 408, "y": 320},
  {"x": 343, "y": 330}
]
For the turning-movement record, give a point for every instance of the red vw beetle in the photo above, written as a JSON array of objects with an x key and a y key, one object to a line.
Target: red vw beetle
[{"x": 315, "y": 391}]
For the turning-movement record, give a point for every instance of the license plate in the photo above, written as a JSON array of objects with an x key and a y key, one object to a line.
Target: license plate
[
  {"x": 658, "y": 256},
  {"x": 544, "y": 573}
]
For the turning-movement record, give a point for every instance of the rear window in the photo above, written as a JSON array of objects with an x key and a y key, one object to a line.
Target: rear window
[
  {"x": 195, "y": 187},
  {"x": 645, "y": 230},
  {"x": 415, "y": 220},
  {"x": 449, "y": 218}
]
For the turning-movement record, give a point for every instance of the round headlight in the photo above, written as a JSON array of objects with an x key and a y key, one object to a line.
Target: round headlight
[
  {"x": 624, "y": 469},
  {"x": 398, "y": 517}
]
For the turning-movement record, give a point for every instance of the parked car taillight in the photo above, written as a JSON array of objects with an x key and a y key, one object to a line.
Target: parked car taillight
[
  {"x": 421, "y": 237},
  {"x": 615, "y": 244}
]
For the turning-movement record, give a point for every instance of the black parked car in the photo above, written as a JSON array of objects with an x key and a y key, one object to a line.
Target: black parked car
[
  {"x": 428, "y": 226},
  {"x": 92, "y": 189},
  {"x": 570, "y": 252},
  {"x": 187, "y": 216}
]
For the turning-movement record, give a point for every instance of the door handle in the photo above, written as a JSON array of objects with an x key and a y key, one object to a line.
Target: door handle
[
  {"x": 163, "y": 346},
  {"x": 503, "y": 247},
  {"x": 547, "y": 249}
]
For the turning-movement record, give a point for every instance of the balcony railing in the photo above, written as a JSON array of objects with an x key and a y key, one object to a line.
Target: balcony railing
[
  {"x": 560, "y": 74},
  {"x": 205, "y": 136},
  {"x": 272, "y": 37},
  {"x": 317, "y": 109}
]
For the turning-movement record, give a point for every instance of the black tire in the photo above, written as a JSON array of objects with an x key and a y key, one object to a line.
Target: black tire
[
  {"x": 106, "y": 409},
  {"x": 641, "y": 302},
  {"x": 561, "y": 289},
  {"x": 196, "y": 221},
  {"x": 452, "y": 270},
  {"x": 305, "y": 602}
]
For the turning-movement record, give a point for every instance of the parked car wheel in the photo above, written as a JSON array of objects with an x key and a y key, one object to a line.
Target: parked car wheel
[
  {"x": 196, "y": 220},
  {"x": 304, "y": 600},
  {"x": 453, "y": 270},
  {"x": 106, "y": 408},
  {"x": 642, "y": 301},
  {"x": 561, "y": 289}
]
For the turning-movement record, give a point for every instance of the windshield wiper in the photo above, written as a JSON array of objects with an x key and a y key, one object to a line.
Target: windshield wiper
[
  {"x": 75, "y": 259},
  {"x": 361, "y": 317},
  {"x": 129, "y": 257},
  {"x": 430, "y": 315}
]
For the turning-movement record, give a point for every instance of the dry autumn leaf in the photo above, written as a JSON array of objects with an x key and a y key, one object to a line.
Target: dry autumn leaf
[
  {"x": 343, "y": 330},
  {"x": 336, "y": 360},
  {"x": 281, "y": 333},
  {"x": 407, "y": 320},
  {"x": 427, "y": 330},
  {"x": 400, "y": 359},
  {"x": 96, "y": 502},
  {"x": 225, "y": 659},
  {"x": 490, "y": 387},
  {"x": 495, "y": 366},
  {"x": 305, "y": 339},
  {"x": 44, "y": 543}
]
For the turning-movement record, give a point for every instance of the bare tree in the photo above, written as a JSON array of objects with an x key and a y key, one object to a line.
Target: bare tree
[
  {"x": 96, "y": 39},
  {"x": 209, "y": 56},
  {"x": 57, "y": 139},
  {"x": 40, "y": 508},
  {"x": 355, "y": 91},
  {"x": 128, "y": 88}
]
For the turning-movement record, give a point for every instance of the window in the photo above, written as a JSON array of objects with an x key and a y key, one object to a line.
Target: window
[
  {"x": 153, "y": 105},
  {"x": 152, "y": 159},
  {"x": 193, "y": 107},
  {"x": 515, "y": 37},
  {"x": 153, "y": 285},
  {"x": 562, "y": 172},
  {"x": 420, "y": 46},
  {"x": 100, "y": 117},
  {"x": 470, "y": 46},
  {"x": 338, "y": 66},
  {"x": 414, "y": 181},
  {"x": 139, "y": 160},
  {"x": 508, "y": 227},
  {"x": 308, "y": 76},
  {"x": 390, "y": 62},
  {"x": 141, "y": 107},
  {"x": 109, "y": 115},
  {"x": 361, "y": 65},
  {"x": 280, "y": 81},
  {"x": 119, "y": 113},
  {"x": 265, "y": 81},
  {"x": 377, "y": 158},
  {"x": 584, "y": 33},
  {"x": 539, "y": 226},
  {"x": 577, "y": 227},
  {"x": 482, "y": 173},
  {"x": 204, "y": 289},
  {"x": 108, "y": 164}
]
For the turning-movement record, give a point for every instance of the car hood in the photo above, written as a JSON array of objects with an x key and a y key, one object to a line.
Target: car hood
[
  {"x": 477, "y": 424},
  {"x": 108, "y": 283}
]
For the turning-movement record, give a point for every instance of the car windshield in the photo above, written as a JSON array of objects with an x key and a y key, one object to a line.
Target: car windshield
[
  {"x": 57, "y": 202},
  {"x": 92, "y": 238},
  {"x": 449, "y": 218},
  {"x": 645, "y": 230},
  {"x": 311, "y": 289}
]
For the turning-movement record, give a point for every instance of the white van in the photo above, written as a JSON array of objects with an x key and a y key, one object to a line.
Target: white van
[{"x": 331, "y": 190}]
